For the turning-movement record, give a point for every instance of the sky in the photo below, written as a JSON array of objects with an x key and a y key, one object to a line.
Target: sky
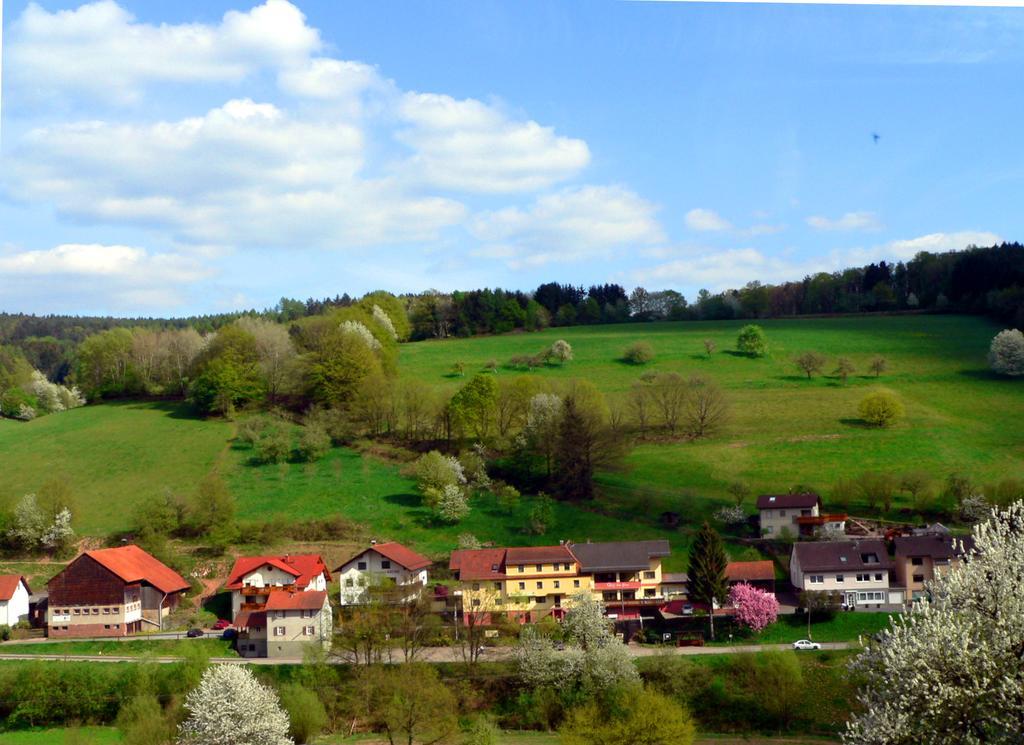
[{"x": 172, "y": 158}]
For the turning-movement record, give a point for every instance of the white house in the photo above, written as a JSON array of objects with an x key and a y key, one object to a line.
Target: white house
[
  {"x": 383, "y": 565},
  {"x": 857, "y": 570},
  {"x": 14, "y": 592},
  {"x": 254, "y": 578},
  {"x": 780, "y": 513}
]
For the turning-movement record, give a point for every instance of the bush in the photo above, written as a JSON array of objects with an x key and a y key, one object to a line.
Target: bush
[
  {"x": 752, "y": 341},
  {"x": 305, "y": 711},
  {"x": 639, "y": 353},
  {"x": 880, "y": 409},
  {"x": 273, "y": 443},
  {"x": 314, "y": 442}
]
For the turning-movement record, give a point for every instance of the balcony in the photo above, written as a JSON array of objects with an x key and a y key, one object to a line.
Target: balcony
[{"x": 248, "y": 590}]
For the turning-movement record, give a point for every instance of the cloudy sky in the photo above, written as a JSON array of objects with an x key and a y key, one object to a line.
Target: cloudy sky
[{"x": 169, "y": 158}]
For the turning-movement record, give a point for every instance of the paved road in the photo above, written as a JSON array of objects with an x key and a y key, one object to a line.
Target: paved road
[{"x": 431, "y": 654}]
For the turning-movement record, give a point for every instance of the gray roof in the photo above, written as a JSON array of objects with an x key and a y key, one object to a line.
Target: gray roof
[
  {"x": 936, "y": 546},
  {"x": 787, "y": 501},
  {"x": 626, "y": 556},
  {"x": 836, "y": 556}
]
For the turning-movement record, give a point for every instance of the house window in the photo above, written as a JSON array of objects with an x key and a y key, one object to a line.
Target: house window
[
  {"x": 878, "y": 577},
  {"x": 361, "y": 566},
  {"x": 782, "y": 513},
  {"x": 917, "y": 561},
  {"x": 350, "y": 582},
  {"x": 575, "y": 583},
  {"x": 279, "y": 631},
  {"x": 78, "y": 611},
  {"x": 476, "y": 585},
  {"x": 522, "y": 585},
  {"x": 649, "y": 575},
  {"x": 476, "y": 602},
  {"x": 540, "y": 567},
  {"x": 649, "y": 592},
  {"x": 540, "y": 585},
  {"x": 497, "y": 586},
  {"x": 839, "y": 578},
  {"x": 539, "y": 600},
  {"x": 817, "y": 579},
  {"x": 919, "y": 578},
  {"x": 522, "y": 568},
  {"x": 565, "y": 567},
  {"x": 557, "y": 584},
  {"x": 106, "y": 611},
  {"x": 385, "y": 564},
  {"x": 106, "y": 625},
  {"x": 311, "y": 631}
]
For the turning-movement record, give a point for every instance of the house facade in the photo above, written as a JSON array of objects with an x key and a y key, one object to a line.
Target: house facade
[
  {"x": 286, "y": 625},
  {"x": 253, "y": 579},
  {"x": 858, "y": 570},
  {"x": 529, "y": 583},
  {"x": 112, "y": 592},
  {"x": 779, "y": 513},
  {"x": 397, "y": 572},
  {"x": 14, "y": 599},
  {"x": 921, "y": 558}
]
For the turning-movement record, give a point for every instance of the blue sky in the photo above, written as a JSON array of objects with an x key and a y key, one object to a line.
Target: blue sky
[{"x": 188, "y": 157}]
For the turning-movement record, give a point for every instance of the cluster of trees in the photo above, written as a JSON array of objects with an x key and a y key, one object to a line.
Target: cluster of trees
[
  {"x": 695, "y": 406},
  {"x": 26, "y": 393},
  {"x": 813, "y": 363}
]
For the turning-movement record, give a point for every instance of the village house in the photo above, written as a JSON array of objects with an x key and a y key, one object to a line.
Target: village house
[
  {"x": 112, "y": 592},
  {"x": 779, "y": 513},
  {"x": 14, "y": 596},
  {"x": 285, "y": 625},
  {"x": 399, "y": 574},
  {"x": 759, "y": 574},
  {"x": 253, "y": 579},
  {"x": 922, "y": 558},
  {"x": 858, "y": 570},
  {"x": 530, "y": 583}
]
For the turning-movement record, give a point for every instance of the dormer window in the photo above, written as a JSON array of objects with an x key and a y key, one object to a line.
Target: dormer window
[
  {"x": 842, "y": 559},
  {"x": 494, "y": 567},
  {"x": 869, "y": 558}
]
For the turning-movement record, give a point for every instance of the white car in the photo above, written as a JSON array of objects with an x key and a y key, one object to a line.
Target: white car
[{"x": 806, "y": 644}]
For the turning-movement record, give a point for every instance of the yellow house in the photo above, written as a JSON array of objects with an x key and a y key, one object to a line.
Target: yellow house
[{"x": 529, "y": 583}]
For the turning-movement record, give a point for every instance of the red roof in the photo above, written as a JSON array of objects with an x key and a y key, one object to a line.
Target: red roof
[
  {"x": 750, "y": 571},
  {"x": 132, "y": 564},
  {"x": 311, "y": 600},
  {"x": 9, "y": 583},
  {"x": 251, "y": 619},
  {"x": 481, "y": 563},
  {"x": 303, "y": 567},
  {"x": 396, "y": 552}
]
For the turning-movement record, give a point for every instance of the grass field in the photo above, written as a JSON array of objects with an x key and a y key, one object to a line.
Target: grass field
[
  {"x": 68, "y": 736},
  {"x": 784, "y": 430},
  {"x": 844, "y": 627},
  {"x": 212, "y": 647}
]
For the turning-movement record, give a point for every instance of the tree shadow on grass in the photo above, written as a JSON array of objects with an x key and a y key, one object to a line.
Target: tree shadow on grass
[
  {"x": 405, "y": 500},
  {"x": 174, "y": 409},
  {"x": 985, "y": 375},
  {"x": 856, "y": 422}
]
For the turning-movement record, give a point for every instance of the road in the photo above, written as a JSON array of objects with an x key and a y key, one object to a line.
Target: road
[{"x": 430, "y": 654}]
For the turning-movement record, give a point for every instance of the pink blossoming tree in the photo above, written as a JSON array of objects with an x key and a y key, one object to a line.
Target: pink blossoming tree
[{"x": 755, "y": 608}]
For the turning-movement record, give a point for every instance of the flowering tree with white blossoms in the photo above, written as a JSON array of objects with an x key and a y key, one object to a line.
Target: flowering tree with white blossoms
[
  {"x": 384, "y": 320},
  {"x": 593, "y": 659},
  {"x": 1006, "y": 355},
  {"x": 753, "y": 608},
  {"x": 951, "y": 671},
  {"x": 358, "y": 329},
  {"x": 231, "y": 707}
]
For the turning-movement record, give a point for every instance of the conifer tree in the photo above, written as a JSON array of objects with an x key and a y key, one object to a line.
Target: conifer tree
[{"x": 707, "y": 583}]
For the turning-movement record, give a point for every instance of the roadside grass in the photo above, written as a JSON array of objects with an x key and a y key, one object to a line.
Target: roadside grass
[
  {"x": 209, "y": 646},
  {"x": 62, "y": 735},
  {"x": 843, "y": 627}
]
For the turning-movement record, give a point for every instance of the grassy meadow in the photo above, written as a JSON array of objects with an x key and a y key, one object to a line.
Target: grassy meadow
[{"x": 783, "y": 430}]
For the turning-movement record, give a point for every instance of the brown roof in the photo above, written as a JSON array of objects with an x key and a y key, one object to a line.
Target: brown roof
[
  {"x": 303, "y": 567},
  {"x": 619, "y": 556},
  {"x": 396, "y": 552},
  {"x": 828, "y": 556},
  {"x": 132, "y": 564},
  {"x": 481, "y": 563},
  {"x": 787, "y": 501},
  {"x": 936, "y": 546},
  {"x": 538, "y": 555},
  {"x": 308, "y": 600},
  {"x": 9, "y": 583},
  {"x": 248, "y": 619},
  {"x": 750, "y": 571}
]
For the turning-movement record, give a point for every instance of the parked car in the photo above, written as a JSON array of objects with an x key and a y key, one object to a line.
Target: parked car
[
  {"x": 193, "y": 633},
  {"x": 806, "y": 644},
  {"x": 222, "y": 623}
]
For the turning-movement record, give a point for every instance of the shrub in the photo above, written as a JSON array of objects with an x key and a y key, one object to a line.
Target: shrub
[
  {"x": 880, "y": 409},
  {"x": 1006, "y": 355},
  {"x": 752, "y": 341},
  {"x": 306, "y": 713},
  {"x": 274, "y": 444},
  {"x": 638, "y": 353},
  {"x": 732, "y": 515},
  {"x": 561, "y": 351},
  {"x": 314, "y": 442}
]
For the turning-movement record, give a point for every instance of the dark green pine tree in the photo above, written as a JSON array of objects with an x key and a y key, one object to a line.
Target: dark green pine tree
[
  {"x": 575, "y": 467},
  {"x": 706, "y": 574}
]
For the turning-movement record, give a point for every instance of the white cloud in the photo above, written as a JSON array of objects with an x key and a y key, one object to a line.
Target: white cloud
[
  {"x": 469, "y": 145},
  {"x": 908, "y": 248},
  {"x": 570, "y": 225},
  {"x": 849, "y": 221},
  {"x": 325, "y": 78},
  {"x": 706, "y": 220},
  {"x": 101, "y": 50},
  {"x": 245, "y": 173},
  {"x": 719, "y": 270}
]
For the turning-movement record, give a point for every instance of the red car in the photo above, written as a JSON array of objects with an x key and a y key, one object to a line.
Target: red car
[{"x": 221, "y": 624}]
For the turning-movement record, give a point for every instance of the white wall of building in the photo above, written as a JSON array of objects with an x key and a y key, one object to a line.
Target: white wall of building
[
  {"x": 368, "y": 569},
  {"x": 16, "y": 609}
]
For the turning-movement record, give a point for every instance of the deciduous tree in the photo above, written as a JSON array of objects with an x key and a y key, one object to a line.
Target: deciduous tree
[
  {"x": 230, "y": 707},
  {"x": 1006, "y": 353}
]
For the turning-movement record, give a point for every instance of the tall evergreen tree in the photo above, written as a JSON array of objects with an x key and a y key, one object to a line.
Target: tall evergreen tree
[
  {"x": 574, "y": 464},
  {"x": 707, "y": 582}
]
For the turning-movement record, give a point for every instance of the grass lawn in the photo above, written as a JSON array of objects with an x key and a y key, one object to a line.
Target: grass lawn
[
  {"x": 844, "y": 627},
  {"x": 784, "y": 429},
  {"x": 550, "y": 738},
  {"x": 68, "y": 736},
  {"x": 213, "y": 647}
]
